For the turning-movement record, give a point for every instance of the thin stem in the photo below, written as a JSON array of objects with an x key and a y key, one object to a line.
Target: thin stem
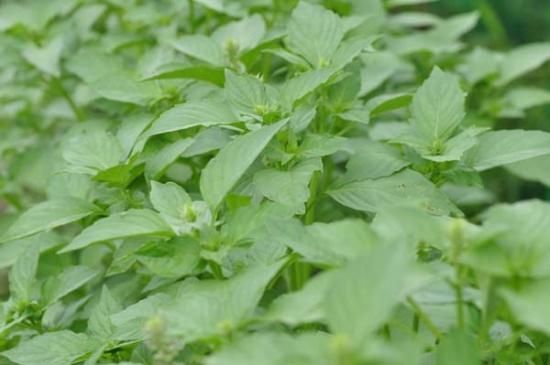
[
  {"x": 457, "y": 240},
  {"x": 424, "y": 318},
  {"x": 76, "y": 110},
  {"x": 192, "y": 15},
  {"x": 216, "y": 270},
  {"x": 309, "y": 217}
]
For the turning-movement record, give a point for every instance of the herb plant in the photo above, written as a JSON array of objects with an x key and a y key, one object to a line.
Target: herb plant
[{"x": 267, "y": 182}]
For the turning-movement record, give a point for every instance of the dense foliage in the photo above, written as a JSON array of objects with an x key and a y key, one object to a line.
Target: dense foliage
[{"x": 267, "y": 182}]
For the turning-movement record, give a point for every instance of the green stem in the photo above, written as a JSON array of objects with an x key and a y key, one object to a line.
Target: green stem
[
  {"x": 424, "y": 318},
  {"x": 457, "y": 241},
  {"x": 309, "y": 217},
  {"x": 216, "y": 270},
  {"x": 301, "y": 274},
  {"x": 76, "y": 110},
  {"x": 192, "y": 15}
]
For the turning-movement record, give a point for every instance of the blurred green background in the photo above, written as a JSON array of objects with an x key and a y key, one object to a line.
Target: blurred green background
[{"x": 504, "y": 23}]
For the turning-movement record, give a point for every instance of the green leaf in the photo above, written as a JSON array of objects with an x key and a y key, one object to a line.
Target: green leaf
[
  {"x": 72, "y": 278},
  {"x": 290, "y": 188},
  {"x": 23, "y": 273},
  {"x": 127, "y": 88},
  {"x": 99, "y": 323},
  {"x": 350, "y": 49},
  {"x": 528, "y": 304},
  {"x": 91, "y": 64},
  {"x": 406, "y": 188},
  {"x": 168, "y": 198},
  {"x": 48, "y": 215},
  {"x": 130, "y": 130},
  {"x": 175, "y": 70},
  {"x": 207, "y": 308},
  {"x": 129, "y": 322},
  {"x": 522, "y": 60},
  {"x": 497, "y": 148},
  {"x": 134, "y": 222},
  {"x": 363, "y": 294},
  {"x": 12, "y": 250},
  {"x": 385, "y": 103},
  {"x": 222, "y": 172},
  {"x": 480, "y": 64},
  {"x": 208, "y": 140},
  {"x": 458, "y": 348},
  {"x": 454, "y": 148},
  {"x": 535, "y": 169},
  {"x": 518, "y": 100},
  {"x": 176, "y": 258},
  {"x": 90, "y": 153},
  {"x": 303, "y": 84},
  {"x": 377, "y": 68},
  {"x": 270, "y": 348},
  {"x": 243, "y": 35},
  {"x": 157, "y": 165},
  {"x": 54, "y": 348},
  {"x": 438, "y": 106},
  {"x": 200, "y": 47},
  {"x": 396, "y": 3},
  {"x": 374, "y": 160},
  {"x": 515, "y": 242},
  {"x": 327, "y": 244},
  {"x": 247, "y": 94},
  {"x": 303, "y": 306},
  {"x": 315, "y": 33},
  {"x": 45, "y": 58},
  {"x": 192, "y": 114}
]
